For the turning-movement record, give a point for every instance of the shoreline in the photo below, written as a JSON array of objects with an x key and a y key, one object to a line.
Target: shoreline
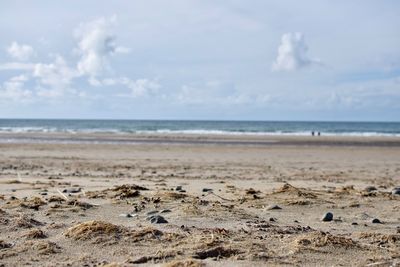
[{"x": 199, "y": 139}]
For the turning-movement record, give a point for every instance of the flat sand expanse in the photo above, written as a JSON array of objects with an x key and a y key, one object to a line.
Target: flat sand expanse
[{"x": 94, "y": 200}]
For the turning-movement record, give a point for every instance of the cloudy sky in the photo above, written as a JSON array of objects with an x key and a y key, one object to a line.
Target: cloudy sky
[{"x": 204, "y": 59}]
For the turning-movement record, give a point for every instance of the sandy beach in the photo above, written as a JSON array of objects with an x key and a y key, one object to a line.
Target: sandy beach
[{"x": 190, "y": 200}]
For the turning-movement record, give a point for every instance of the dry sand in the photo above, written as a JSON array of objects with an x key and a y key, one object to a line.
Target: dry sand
[{"x": 232, "y": 225}]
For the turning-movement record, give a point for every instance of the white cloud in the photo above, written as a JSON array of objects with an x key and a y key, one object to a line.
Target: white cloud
[
  {"x": 96, "y": 44},
  {"x": 16, "y": 66},
  {"x": 14, "y": 89},
  {"x": 292, "y": 53},
  {"x": 20, "y": 52},
  {"x": 57, "y": 76},
  {"x": 139, "y": 87}
]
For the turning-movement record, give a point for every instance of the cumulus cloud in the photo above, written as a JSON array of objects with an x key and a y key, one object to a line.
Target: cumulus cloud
[
  {"x": 96, "y": 43},
  {"x": 292, "y": 53},
  {"x": 57, "y": 76},
  {"x": 138, "y": 87},
  {"x": 16, "y": 66},
  {"x": 20, "y": 51},
  {"x": 13, "y": 89}
]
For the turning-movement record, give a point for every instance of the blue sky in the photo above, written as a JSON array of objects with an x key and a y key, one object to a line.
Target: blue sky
[{"x": 183, "y": 59}]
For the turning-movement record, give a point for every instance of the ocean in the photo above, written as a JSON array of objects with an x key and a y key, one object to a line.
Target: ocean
[{"x": 301, "y": 128}]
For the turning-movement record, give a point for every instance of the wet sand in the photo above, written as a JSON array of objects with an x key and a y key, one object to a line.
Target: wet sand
[{"x": 230, "y": 224}]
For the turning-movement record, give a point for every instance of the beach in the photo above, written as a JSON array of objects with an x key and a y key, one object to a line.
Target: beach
[{"x": 194, "y": 200}]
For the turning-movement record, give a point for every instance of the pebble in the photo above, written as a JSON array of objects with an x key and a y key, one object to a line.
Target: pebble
[
  {"x": 127, "y": 215},
  {"x": 376, "y": 221},
  {"x": 207, "y": 190},
  {"x": 327, "y": 217},
  {"x": 272, "y": 219},
  {"x": 152, "y": 212},
  {"x": 182, "y": 191},
  {"x": 72, "y": 190},
  {"x": 370, "y": 188},
  {"x": 396, "y": 191},
  {"x": 178, "y": 188},
  {"x": 165, "y": 211},
  {"x": 274, "y": 207},
  {"x": 157, "y": 219},
  {"x": 354, "y": 223}
]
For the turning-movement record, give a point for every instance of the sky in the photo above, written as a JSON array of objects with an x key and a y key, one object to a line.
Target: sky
[{"x": 201, "y": 59}]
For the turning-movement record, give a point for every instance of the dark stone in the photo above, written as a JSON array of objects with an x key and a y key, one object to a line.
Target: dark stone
[
  {"x": 376, "y": 221},
  {"x": 274, "y": 207},
  {"x": 72, "y": 190},
  {"x": 396, "y": 191},
  {"x": 327, "y": 217},
  {"x": 178, "y": 188},
  {"x": 354, "y": 223},
  {"x": 165, "y": 211},
  {"x": 370, "y": 188},
  {"x": 207, "y": 190},
  {"x": 157, "y": 219},
  {"x": 152, "y": 212}
]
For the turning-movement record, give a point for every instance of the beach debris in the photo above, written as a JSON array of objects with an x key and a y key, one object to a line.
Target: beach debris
[
  {"x": 24, "y": 221},
  {"x": 205, "y": 190},
  {"x": 217, "y": 252},
  {"x": 33, "y": 203},
  {"x": 43, "y": 247},
  {"x": 290, "y": 189},
  {"x": 376, "y": 220},
  {"x": 327, "y": 217},
  {"x": 322, "y": 239},
  {"x": 274, "y": 207},
  {"x": 72, "y": 190},
  {"x": 92, "y": 229},
  {"x": 118, "y": 192},
  {"x": 35, "y": 234},
  {"x": 185, "y": 263}
]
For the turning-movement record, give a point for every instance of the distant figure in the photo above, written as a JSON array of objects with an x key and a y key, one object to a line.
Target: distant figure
[
  {"x": 312, "y": 133},
  {"x": 319, "y": 134}
]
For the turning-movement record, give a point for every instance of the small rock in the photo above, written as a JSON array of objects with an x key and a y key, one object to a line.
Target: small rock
[
  {"x": 127, "y": 215},
  {"x": 370, "y": 188},
  {"x": 72, "y": 190},
  {"x": 152, "y": 212},
  {"x": 207, "y": 190},
  {"x": 396, "y": 191},
  {"x": 376, "y": 221},
  {"x": 354, "y": 223},
  {"x": 182, "y": 191},
  {"x": 274, "y": 207},
  {"x": 178, "y": 188},
  {"x": 157, "y": 219},
  {"x": 43, "y": 193},
  {"x": 327, "y": 217},
  {"x": 165, "y": 211},
  {"x": 272, "y": 219}
]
